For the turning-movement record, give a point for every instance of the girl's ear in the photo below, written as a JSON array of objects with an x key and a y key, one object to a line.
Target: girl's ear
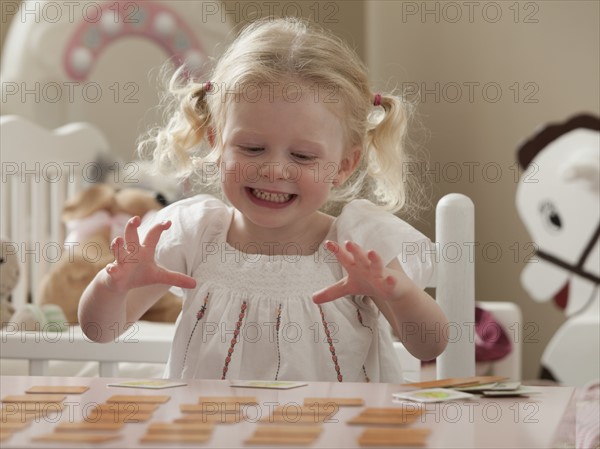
[{"x": 348, "y": 164}]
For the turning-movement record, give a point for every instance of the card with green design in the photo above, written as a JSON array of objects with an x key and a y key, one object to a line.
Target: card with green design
[{"x": 432, "y": 395}]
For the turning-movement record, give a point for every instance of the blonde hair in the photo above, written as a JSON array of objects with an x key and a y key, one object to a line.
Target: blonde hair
[{"x": 272, "y": 50}]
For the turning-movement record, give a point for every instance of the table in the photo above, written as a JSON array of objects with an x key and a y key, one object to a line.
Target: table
[{"x": 473, "y": 423}]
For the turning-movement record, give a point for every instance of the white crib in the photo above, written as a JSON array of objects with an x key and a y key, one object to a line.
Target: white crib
[
  {"x": 30, "y": 216},
  {"x": 40, "y": 169}
]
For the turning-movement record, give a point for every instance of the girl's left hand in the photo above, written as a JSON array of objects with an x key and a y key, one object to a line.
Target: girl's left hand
[{"x": 366, "y": 274}]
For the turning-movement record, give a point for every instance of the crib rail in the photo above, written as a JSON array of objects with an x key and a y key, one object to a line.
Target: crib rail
[
  {"x": 142, "y": 343},
  {"x": 147, "y": 342}
]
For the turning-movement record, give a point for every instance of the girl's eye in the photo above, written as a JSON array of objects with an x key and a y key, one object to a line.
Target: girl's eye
[
  {"x": 303, "y": 157},
  {"x": 252, "y": 149}
]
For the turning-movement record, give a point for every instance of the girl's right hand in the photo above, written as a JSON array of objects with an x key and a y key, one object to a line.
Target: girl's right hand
[{"x": 134, "y": 264}]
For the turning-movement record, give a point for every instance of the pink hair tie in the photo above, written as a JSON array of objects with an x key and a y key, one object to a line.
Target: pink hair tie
[
  {"x": 207, "y": 86},
  {"x": 377, "y": 100}
]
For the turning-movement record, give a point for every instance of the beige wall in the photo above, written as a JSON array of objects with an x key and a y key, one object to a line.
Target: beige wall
[
  {"x": 545, "y": 61},
  {"x": 549, "y": 57},
  {"x": 6, "y": 17},
  {"x": 345, "y": 18}
]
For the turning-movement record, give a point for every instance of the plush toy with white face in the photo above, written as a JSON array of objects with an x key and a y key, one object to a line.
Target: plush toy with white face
[{"x": 558, "y": 199}]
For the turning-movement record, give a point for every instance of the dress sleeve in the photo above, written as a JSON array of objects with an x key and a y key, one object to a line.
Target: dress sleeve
[
  {"x": 196, "y": 223},
  {"x": 375, "y": 229}
]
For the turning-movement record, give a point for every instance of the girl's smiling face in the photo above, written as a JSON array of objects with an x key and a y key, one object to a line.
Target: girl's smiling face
[{"x": 282, "y": 155}]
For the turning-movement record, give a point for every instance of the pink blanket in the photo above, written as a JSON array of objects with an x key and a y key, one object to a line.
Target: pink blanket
[{"x": 581, "y": 424}]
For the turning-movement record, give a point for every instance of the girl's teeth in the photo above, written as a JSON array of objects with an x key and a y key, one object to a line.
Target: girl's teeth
[{"x": 269, "y": 196}]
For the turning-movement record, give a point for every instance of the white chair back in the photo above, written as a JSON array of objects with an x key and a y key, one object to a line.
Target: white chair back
[{"x": 455, "y": 283}]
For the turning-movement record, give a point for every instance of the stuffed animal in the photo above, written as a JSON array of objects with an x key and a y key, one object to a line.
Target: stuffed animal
[
  {"x": 141, "y": 174},
  {"x": 93, "y": 218},
  {"x": 9, "y": 276},
  {"x": 558, "y": 199}
]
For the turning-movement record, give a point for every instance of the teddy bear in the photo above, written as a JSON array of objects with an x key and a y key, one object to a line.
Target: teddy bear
[
  {"x": 92, "y": 219},
  {"x": 9, "y": 276}
]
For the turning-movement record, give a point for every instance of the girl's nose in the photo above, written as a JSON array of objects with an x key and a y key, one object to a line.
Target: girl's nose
[{"x": 272, "y": 170}]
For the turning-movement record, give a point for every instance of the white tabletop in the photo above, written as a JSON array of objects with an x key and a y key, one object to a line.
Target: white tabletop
[{"x": 474, "y": 423}]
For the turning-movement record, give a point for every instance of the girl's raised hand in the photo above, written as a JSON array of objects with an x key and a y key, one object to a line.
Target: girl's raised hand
[
  {"x": 366, "y": 274},
  {"x": 134, "y": 264}
]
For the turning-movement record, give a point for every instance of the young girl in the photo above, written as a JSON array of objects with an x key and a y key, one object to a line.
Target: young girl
[{"x": 273, "y": 287}]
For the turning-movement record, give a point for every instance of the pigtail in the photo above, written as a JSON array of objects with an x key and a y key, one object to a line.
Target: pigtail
[
  {"x": 180, "y": 145},
  {"x": 387, "y": 161},
  {"x": 197, "y": 114}
]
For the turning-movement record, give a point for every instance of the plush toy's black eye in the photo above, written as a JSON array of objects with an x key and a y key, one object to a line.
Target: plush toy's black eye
[
  {"x": 160, "y": 198},
  {"x": 550, "y": 216},
  {"x": 1, "y": 259}
]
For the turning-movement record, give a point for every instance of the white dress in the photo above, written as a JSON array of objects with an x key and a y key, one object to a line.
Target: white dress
[{"x": 251, "y": 316}]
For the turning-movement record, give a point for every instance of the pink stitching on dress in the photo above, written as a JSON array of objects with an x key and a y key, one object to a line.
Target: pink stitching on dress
[
  {"x": 238, "y": 325},
  {"x": 331, "y": 347},
  {"x": 199, "y": 316},
  {"x": 277, "y": 325}
]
